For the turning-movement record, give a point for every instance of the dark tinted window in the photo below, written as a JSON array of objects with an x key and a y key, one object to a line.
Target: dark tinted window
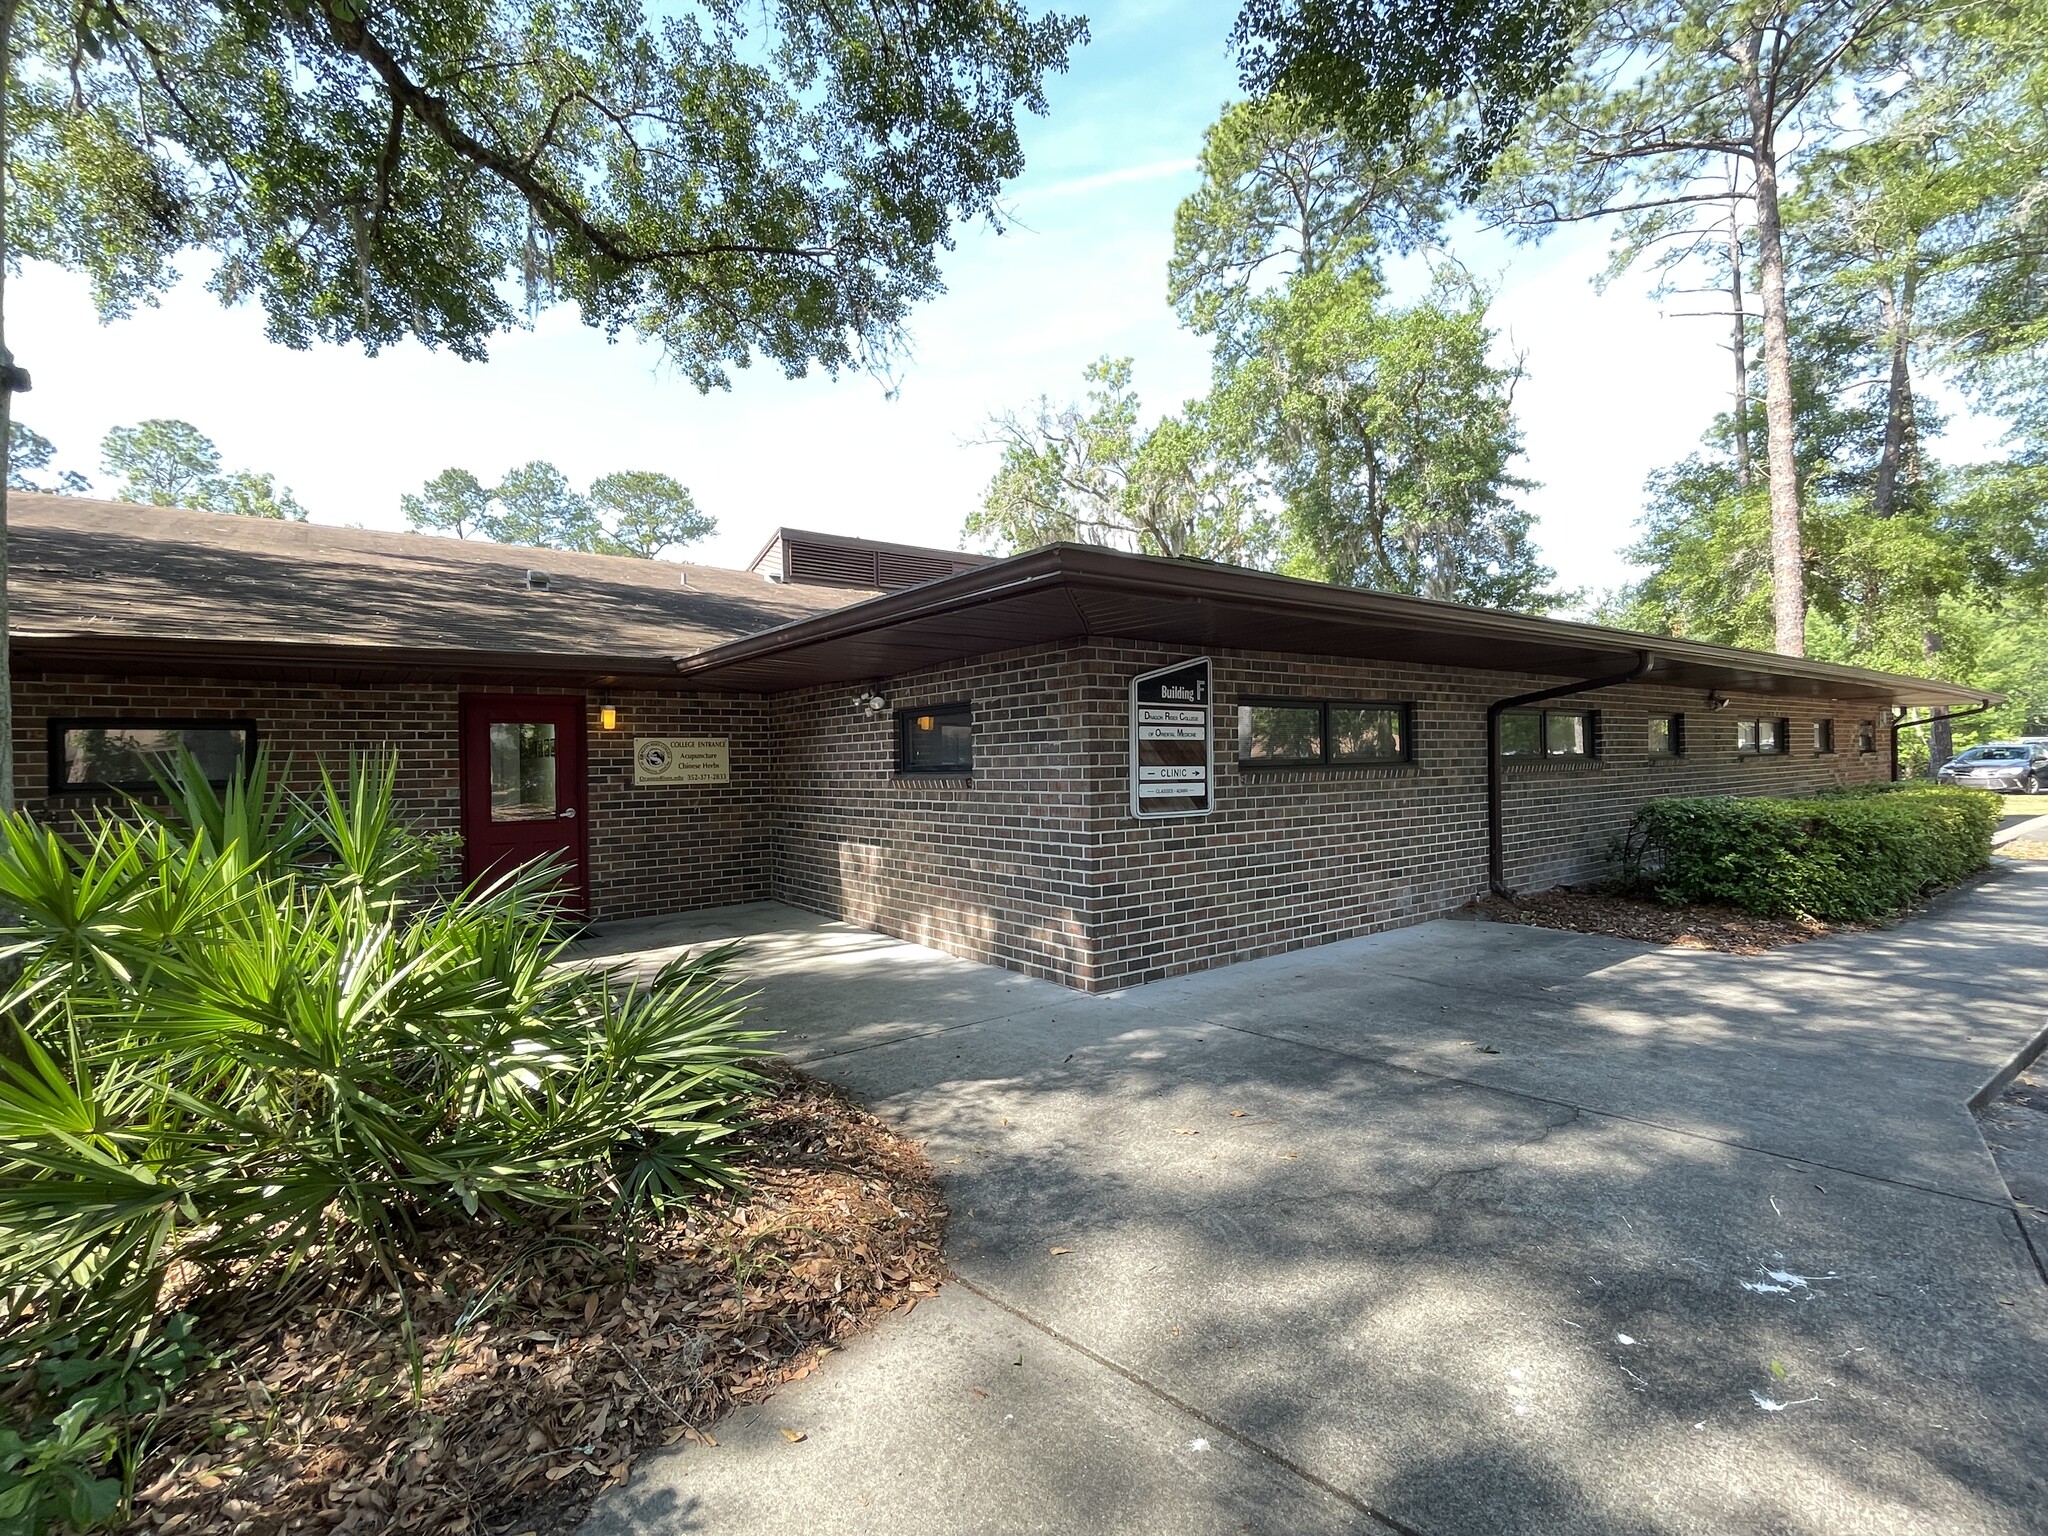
[
  {"x": 1521, "y": 734},
  {"x": 1823, "y": 735},
  {"x": 1763, "y": 737},
  {"x": 1567, "y": 733},
  {"x": 936, "y": 738},
  {"x": 1667, "y": 735},
  {"x": 1368, "y": 733},
  {"x": 1561, "y": 734},
  {"x": 117, "y": 754},
  {"x": 1280, "y": 733}
]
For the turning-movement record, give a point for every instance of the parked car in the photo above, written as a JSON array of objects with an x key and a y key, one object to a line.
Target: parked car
[{"x": 2011, "y": 767}]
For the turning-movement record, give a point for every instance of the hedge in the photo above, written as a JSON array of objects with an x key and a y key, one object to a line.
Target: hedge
[{"x": 1849, "y": 855}]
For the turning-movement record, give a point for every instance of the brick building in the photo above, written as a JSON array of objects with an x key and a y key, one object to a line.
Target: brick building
[{"x": 1097, "y": 767}]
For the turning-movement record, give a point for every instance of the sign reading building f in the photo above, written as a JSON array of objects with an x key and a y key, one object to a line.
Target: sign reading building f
[{"x": 1173, "y": 741}]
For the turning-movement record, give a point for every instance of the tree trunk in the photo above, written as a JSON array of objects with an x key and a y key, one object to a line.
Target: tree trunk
[
  {"x": 1788, "y": 558},
  {"x": 10, "y": 381},
  {"x": 1898, "y": 403},
  {"x": 1941, "y": 736},
  {"x": 1739, "y": 341}
]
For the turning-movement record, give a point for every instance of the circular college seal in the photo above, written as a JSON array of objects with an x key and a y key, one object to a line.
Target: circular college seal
[{"x": 654, "y": 757}]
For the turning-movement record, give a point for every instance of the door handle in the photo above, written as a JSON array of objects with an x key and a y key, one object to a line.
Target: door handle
[{"x": 568, "y": 813}]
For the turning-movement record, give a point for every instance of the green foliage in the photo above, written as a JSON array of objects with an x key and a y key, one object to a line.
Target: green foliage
[
  {"x": 167, "y": 463},
  {"x": 1344, "y": 439},
  {"x": 81, "y": 1410},
  {"x": 29, "y": 450},
  {"x": 454, "y": 501},
  {"x": 645, "y": 512},
  {"x": 1850, "y": 856},
  {"x": 162, "y": 463},
  {"x": 246, "y": 493},
  {"x": 52, "y": 1479},
  {"x": 636, "y": 512},
  {"x": 1379, "y": 69},
  {"x": 774, "y": 183},
  {"x": 243, "y": 1034},
  {"x": 538, "y": 506},
  {"x": 1095, "y": 476},
  {"x": 1387, "y": 433},
  {"x": 1283, "y": 194}
]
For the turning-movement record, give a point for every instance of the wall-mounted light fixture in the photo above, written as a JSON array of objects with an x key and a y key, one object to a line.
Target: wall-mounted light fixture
[
  {"x": 607, "y": 714},
  {"x": 1715, "y": 703},
  {"x": 870, "y": 701}
]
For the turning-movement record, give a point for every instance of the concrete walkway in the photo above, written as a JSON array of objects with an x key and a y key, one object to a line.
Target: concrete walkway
[{"x": 1462, "y": 1229}]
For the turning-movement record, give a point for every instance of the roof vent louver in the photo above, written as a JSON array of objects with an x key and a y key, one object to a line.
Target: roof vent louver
[
  {"x": 830, "y": 565},
  {"x": 537, "y": 581},
  {"x": 894, "y": 570},
  {"x": 829, "y": 560}
]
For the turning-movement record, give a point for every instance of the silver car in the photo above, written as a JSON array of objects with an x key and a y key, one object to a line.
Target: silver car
[{"x": 2010, "y": 767}]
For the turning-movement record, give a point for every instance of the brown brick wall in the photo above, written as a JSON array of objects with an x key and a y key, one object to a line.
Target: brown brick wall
[
  {"x": 994, "y": 866},
  {"x": 652, "y": 850},
  {"x": 1033, "y": 861}
]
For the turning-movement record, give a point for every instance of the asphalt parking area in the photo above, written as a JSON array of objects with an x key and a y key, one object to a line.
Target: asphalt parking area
[{"x": 1465, "y": 1228}]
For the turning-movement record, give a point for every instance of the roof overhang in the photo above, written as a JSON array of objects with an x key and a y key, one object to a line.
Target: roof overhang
[
  {"x": 1069, "y": 592},
  {"x": 283, "y": 661}
]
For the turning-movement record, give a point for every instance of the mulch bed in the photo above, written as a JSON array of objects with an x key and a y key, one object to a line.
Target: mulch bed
[
  {"x": 1650, "y": 922},
  {"x": 547, "y": 1359}
]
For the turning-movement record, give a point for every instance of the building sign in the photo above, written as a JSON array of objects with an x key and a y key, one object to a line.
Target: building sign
[
  {"x": 681, "y": 760},
  {"x": 1173, "y": 741}
]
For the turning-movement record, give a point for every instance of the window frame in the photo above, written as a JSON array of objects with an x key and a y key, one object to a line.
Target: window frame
[
  {"x": 1783, "y": 725},
  {"x": 58, "y": 726},
  {"x": 904, "y": 719},
  {"x": 1675, "y": 723},
  {"x": 1866, "y": 738},
  {"x": 1824, "y": 738},
  {"x": 1543, "y": 753},
  {"x": 1326, "y": 757}
]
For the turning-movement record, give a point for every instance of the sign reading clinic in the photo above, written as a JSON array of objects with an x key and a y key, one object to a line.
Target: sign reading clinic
[
  {"x": 1173, "y": 742},
  {"x": 681, "y": 760}
]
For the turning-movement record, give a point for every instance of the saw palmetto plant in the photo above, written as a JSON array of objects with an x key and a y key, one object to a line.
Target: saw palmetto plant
[{"x": 242, "y": 1028}]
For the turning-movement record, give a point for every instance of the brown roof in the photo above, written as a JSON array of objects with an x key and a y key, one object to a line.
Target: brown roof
[
  {"x": 1075, "y": 592},
  {"x": 104, "y": 581},
  {"x": 97, "y": 584}
]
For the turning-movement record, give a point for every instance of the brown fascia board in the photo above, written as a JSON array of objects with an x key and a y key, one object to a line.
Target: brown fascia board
[
  {"x": 1068, "y": 591},
  {"x": 283, "y": 661}
]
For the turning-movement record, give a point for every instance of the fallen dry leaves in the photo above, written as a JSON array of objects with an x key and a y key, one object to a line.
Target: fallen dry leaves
[
  {"x": 1651, "y": 922},
  {"x": 2024, "y": 848},
  {"x": 547, "y": 1360}
]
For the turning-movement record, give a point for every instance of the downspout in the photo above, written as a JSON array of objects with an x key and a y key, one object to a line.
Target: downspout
[
  {"x": 1496, "y": 859},
  {"x": 1900, "y": 723}
]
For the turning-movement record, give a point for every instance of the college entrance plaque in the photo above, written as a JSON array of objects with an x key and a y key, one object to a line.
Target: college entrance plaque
[
  {"x": 681, "y": 760},
  {"x": 1173, "y": 741}
]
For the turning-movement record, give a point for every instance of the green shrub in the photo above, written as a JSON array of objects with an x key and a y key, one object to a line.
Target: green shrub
[
  {"x": 1851, "y": 855},
  {"x": 240, "y": 1030},
  {"x": 81, "y": 1412}
]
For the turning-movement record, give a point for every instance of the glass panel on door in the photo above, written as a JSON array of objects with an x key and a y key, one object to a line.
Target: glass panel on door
[{"x": 522, "y": 771}]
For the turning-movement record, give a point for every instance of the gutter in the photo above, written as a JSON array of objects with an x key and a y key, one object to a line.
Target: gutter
[
  {"x": 1496, "y": 858},
  {"x": 1900, "y": 723}
]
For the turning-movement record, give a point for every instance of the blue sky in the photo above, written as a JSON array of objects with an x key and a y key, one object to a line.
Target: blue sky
[{"x": 1614, "y": 388}]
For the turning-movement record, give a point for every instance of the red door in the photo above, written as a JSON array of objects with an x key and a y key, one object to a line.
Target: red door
[{"x": 523, "y": 785}]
